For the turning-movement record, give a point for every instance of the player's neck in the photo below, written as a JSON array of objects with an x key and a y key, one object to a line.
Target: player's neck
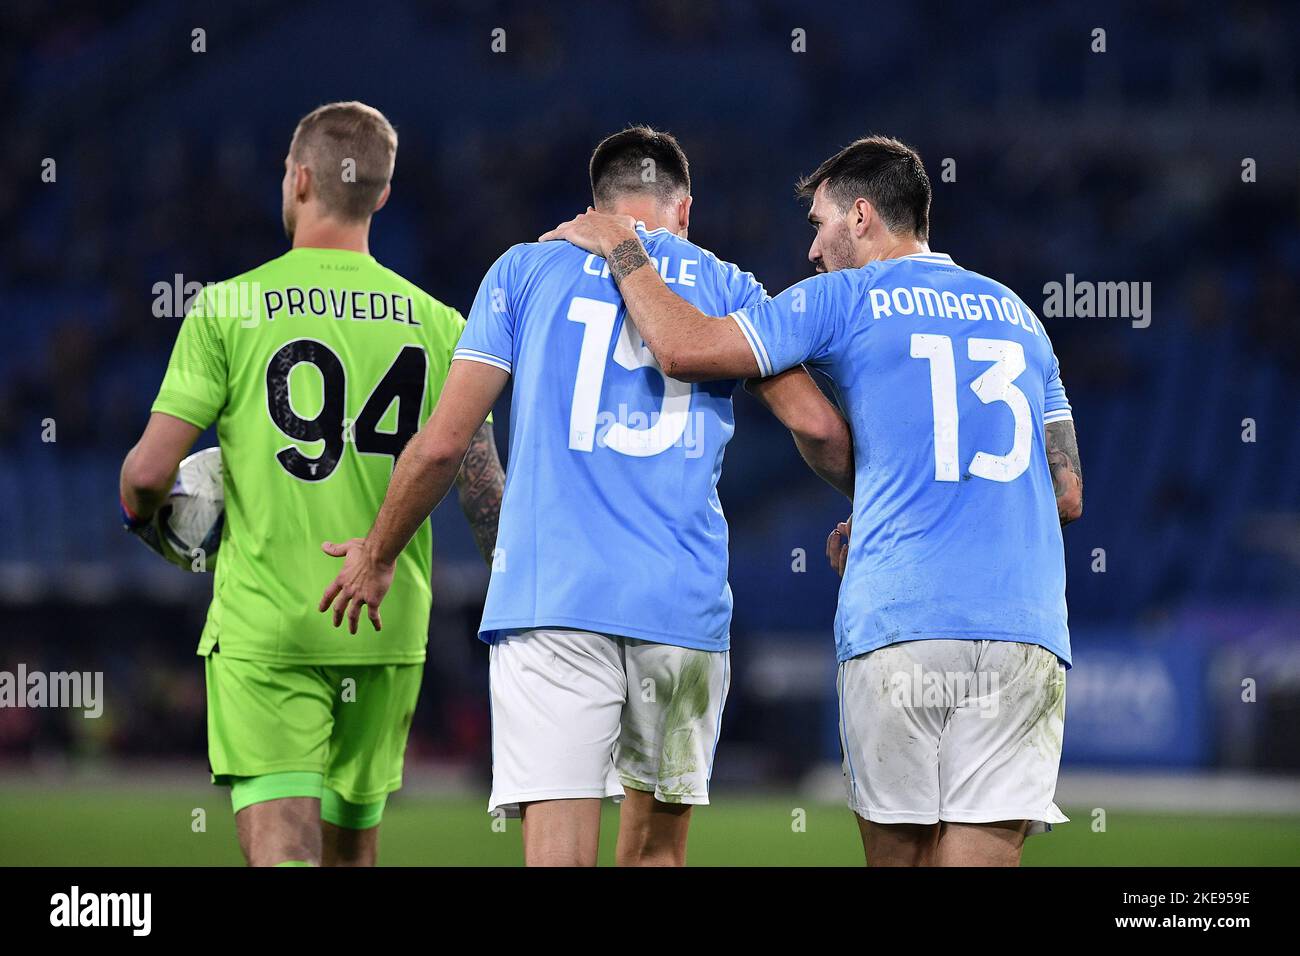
[
  {"x": 646, "y": 212},
  {"x": 328, "y": 234},
  {"x": 896, "y": 248}
]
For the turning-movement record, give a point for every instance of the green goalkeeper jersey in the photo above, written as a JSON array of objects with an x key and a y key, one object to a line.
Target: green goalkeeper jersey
[{"x": 317, "y": 368}]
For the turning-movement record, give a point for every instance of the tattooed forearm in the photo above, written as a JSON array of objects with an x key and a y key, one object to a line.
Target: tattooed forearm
[
  {"x": 1063, "y": 453},
  {"x": 1067, "y": 471},
  {"x": 480, "y": 485},
  {"x": 627, "y": 257}
]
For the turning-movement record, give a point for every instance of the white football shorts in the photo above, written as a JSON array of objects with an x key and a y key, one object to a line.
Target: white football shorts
[
  {"x": 578, "y": 714},
  {"x": 963, "y": 731}
]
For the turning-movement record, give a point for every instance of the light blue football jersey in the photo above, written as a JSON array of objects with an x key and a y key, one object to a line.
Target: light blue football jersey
[
  {"x": 947, "y": 379},
  {"x": 610, "y": 520}
]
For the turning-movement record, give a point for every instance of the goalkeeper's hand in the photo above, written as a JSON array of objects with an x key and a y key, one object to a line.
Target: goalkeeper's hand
[{"x": 148, "y": 530}]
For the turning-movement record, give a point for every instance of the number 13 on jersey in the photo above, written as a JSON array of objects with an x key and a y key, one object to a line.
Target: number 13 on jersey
[{"x": 995, "y": 384}]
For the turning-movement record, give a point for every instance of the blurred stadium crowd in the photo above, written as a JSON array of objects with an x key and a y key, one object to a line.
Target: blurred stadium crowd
[{"x": 1125, "y": 165}]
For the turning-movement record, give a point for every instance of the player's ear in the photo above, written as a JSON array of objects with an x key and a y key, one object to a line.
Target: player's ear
[
  {"x": 860, "y": 216},
  {"x": 683, "y": 216},
  {"x": 302, "y": 182},
  {"x": 383, "y": 198}
]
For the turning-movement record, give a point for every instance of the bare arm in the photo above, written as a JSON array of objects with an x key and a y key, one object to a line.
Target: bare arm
[
  {"x": 424, "y": 474},
  {"x": 432, "y": 459},
  {"x": 1067, "y": 472},
  {"x": 690, "y": 346},
  {"x": 820, "y": 433},
  {"x": 480, "y": 485},
  {"x": 150, "y": 467}
]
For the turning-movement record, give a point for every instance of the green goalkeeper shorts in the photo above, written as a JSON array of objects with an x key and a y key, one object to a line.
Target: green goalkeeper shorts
[{"x": 346, "y": 722}]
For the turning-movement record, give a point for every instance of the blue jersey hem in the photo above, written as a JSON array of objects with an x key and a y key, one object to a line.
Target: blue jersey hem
[
  {"x": 857, "y": 649},
  {"x": 489, "y": 629}
]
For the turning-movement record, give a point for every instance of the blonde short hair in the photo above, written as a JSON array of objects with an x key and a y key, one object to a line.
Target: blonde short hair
[{"x": 350, "y": 149}]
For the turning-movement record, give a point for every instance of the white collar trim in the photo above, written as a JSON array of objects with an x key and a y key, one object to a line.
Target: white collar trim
[{"x": 930, "y": 257}]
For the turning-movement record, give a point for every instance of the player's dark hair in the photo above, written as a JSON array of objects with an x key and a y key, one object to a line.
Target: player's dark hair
[
  {"x": 886, "y": 173},
  {"x": 639, "y": 160},
  {"x": 350, "y": 148}
]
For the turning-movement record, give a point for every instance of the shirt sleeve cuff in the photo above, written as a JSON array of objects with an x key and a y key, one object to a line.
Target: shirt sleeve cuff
[
  {"x": 487, "y": 358},
  {"x": 185, "y": 407},
  {"x": 755, "y": 343}
]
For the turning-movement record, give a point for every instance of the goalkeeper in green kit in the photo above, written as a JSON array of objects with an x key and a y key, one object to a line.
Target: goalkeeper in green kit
[{"x": 317, "y": 368}]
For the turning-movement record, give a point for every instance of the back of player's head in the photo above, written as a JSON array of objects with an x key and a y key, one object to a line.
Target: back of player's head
[
  {"x": 350, "y": 149},
  {"x": 886, "y": 173},
  {"x": 639, "y": 160}
]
